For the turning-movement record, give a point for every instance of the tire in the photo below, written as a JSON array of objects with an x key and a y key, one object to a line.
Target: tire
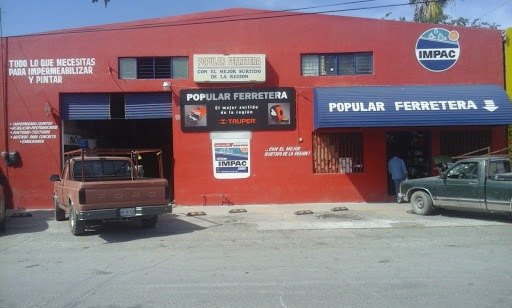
[
  {"x": 149, "y": 222},
  {"x": 421, "y": 203},
  {"x": 60, "y": 214},
  {"x": 76, "y": 226}
]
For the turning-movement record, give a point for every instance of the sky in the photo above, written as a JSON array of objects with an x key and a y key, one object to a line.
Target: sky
[{"x": 21, "y": 17}]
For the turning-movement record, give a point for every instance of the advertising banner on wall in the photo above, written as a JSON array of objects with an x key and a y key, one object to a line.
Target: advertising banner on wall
[
  {"x": 231, "y": 158},
  {"x": 231, "y": 154},
  {"x": 249, "y": 109}
]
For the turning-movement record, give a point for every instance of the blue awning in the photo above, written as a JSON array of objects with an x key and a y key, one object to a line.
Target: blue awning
[{"x": 391, "y": 106}]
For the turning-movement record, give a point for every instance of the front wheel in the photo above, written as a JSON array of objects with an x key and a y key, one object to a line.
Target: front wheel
[
  {"x": 421, "y": 203},
  {"x": 77, "y": 226}
]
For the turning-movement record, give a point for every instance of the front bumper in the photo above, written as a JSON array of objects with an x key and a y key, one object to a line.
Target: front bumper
[{"x": 140, "y": 211}]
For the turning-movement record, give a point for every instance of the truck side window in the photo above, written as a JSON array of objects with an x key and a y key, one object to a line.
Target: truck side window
[
  {"x": 464, "y": 171},
  {"x": 498, "y": 167}
]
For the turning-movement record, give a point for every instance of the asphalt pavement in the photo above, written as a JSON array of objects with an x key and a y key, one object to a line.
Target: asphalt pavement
[{"x": 291, "y": 255}]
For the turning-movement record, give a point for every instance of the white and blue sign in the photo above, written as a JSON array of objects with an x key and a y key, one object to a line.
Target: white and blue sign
[
  {"x": 438, "y": 49},
  {"x": 392, "y": 106},
  {"x": 231, "y": 158}
]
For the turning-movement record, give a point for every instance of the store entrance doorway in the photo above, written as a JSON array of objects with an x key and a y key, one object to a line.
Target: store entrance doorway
[
  {"x": 414, "y": 148},
  {"x": 121, "y": 121}
]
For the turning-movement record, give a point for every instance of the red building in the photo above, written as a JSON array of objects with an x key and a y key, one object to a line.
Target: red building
[{"x": 252, "y": 106}]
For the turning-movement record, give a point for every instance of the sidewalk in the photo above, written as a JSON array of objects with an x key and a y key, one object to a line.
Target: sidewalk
[
  {"x": 322, "y": 216},
  {"x": 272, "y": 217},
  {"x": 292, "y": 208}
]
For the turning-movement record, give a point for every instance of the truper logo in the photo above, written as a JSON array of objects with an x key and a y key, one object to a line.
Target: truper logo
[{"x": 438, "y": 49}]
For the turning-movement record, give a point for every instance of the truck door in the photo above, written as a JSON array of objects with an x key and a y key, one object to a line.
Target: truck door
[
  {"x": 462, "y": 187},
  {"x": 498, "y": 190}
]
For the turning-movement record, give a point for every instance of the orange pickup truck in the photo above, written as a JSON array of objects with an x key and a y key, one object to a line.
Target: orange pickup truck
[{"x": 109, "y": 185}]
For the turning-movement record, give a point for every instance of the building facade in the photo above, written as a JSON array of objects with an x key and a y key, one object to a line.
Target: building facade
[{"x": 253, "y": 107}]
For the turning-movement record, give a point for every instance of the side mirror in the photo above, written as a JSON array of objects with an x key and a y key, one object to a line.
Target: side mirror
[
  {"x": 54, "y": 177},
  {"x": 442, "y": 176}
]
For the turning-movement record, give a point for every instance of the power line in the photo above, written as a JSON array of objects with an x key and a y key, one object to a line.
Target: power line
[
  {"x": 493, "y": 10},
  {"x": 251, "y": 14},
  {"x": 209, "y": 21}
]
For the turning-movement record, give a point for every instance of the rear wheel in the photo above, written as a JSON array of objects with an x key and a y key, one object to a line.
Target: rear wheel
[
  {"x": 421, "y": 203},
  {"x": 77, "y": 226},
  {"x": 149, "y": 222},
  {"x": 60, "y": 214}
]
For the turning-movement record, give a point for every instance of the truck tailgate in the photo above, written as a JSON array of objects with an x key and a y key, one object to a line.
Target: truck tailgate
[{"x": 118, "y": 194}]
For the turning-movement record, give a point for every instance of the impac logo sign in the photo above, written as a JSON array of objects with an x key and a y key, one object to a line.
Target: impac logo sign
[{"x": 438, "y": 49}]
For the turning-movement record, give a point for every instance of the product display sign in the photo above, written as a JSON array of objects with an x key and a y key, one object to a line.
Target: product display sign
[
  {"x": 231, "y": 158},
  {"x": 247, "y": 109}
]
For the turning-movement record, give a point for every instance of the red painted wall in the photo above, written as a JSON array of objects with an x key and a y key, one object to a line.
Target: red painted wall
[{"x": 282, "y": 40}]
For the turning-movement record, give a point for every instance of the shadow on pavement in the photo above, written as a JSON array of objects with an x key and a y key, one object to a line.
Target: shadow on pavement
[
  {"x": 117, "y": 232},
  {"x": 19, "y": 222},
  {"x": 24, "y": 222},
  {"x": 497, "y": 217}
]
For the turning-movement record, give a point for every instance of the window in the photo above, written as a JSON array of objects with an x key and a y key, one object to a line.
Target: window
[
  {"x": 337, "y": 64},
  {"x": 458, "y": 142},
  {"x": 338, "y": 153},
  {"x": 153, "y": 68},
  {"x": 499, "y": 167},
  {"x": 464, "y": 171},
  {"x": 102, "y": 168}
]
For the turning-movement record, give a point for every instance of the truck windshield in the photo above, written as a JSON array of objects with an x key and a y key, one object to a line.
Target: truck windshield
[{"x": 102, "y": 168}]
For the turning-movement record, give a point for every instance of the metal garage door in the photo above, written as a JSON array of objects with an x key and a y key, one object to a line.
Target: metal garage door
[
  {"x": 85, "y": 106},
  {"x": 148, "y": 105}
]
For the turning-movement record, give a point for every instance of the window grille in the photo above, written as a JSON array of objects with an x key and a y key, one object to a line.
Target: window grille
[
  {"x": 338, "y": 153},
  {"x": 458, "y": 142},
  {"x": 153, "y": 68},
  {"x": 337, "y": 64}
]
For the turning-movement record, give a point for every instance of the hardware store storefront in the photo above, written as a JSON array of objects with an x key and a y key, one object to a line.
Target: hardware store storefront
[
  {"x": 257, "y": 113},
  {"x": 424, "y": 125}
]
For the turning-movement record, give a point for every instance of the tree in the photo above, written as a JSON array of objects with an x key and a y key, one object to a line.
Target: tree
[
  {"x": 428, "y": 11},
  {"x": 106, "y": 2},
  {"x": 465, "y": 22},
  {"x": 432, "y": 11}
]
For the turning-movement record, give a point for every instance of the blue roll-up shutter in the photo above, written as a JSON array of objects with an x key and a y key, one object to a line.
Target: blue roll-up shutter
[
  {"x": 148, "y": 105},
  {"x": 85, "y": 106},
  {"x": 389, "y": 106}
]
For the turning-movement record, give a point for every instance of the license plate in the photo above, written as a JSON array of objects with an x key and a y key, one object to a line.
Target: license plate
[{"x": 128, "y": 212}]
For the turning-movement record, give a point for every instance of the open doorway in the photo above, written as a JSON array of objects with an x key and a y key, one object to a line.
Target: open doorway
[
  {"x": 120, "y": 121},
  {"x": 414, "y": 148}
]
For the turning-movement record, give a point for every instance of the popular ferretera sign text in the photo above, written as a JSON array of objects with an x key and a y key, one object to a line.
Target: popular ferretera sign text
[
  {"x": 391, "y": 106},
  {"x": 489, "y": 105},
  {"x": 229, "y": 68}
]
